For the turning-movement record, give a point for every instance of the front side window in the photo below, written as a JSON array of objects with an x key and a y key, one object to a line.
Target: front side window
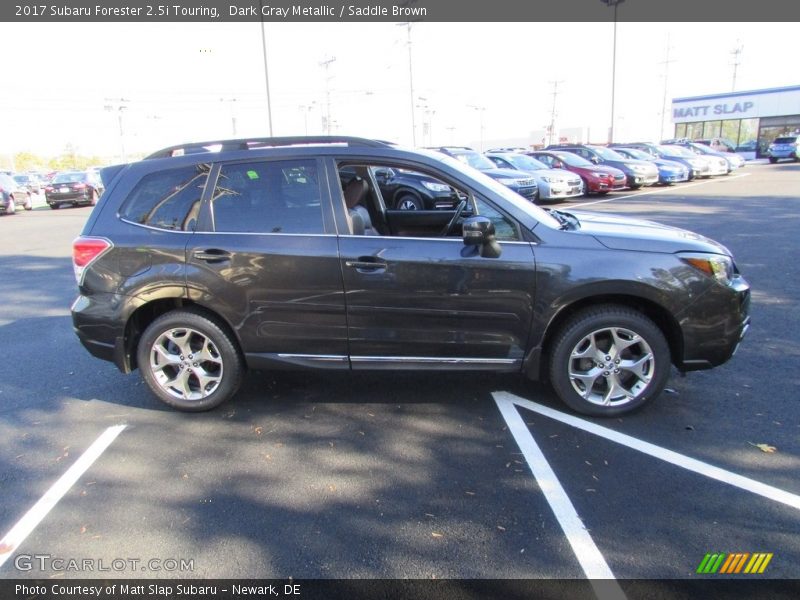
[
  {"x": 505, "y": 229},
  {"x": 167, "y": 199},
  {"x": 268, "y": 197}
]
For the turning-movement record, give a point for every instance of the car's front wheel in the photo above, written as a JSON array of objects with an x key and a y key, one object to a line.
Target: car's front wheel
[
  {"x": 409, "y": 202},
  {"x": 189, "y": 361},
  {"x": 609, "y": 360}
]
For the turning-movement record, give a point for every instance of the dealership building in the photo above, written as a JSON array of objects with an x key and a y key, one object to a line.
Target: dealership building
[{"x": 750, "y": 120}]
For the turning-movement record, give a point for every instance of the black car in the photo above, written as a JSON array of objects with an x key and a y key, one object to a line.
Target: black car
[
  {"x": 638, "y": 172},
  {"x": 523, "y": 184},
  {"x": 207, "y": 259},
  {"x": 408, "y": 190},
  {"x": 75, "y": 188}
]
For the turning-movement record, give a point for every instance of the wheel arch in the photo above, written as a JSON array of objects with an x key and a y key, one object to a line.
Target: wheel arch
[
  {"x": 145, "y": 314},
  {"x": 537, "y": 362}
]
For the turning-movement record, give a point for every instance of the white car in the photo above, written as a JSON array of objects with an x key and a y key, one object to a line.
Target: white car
[{"x": 554, "y": 184}]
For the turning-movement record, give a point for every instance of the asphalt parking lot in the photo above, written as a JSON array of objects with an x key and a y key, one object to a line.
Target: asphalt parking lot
[{"x": 331, "y": 475}]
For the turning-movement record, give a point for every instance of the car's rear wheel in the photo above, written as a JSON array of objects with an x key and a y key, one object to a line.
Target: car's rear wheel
[
  {"x": 190, "y": 361},
  {"x": 409, "y": 202},
  {"x": 609, "y": 360},
  {"x": 773, "y": 160}
]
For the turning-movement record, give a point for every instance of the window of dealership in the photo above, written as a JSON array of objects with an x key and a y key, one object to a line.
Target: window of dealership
[{"x": 750, "y": 120}]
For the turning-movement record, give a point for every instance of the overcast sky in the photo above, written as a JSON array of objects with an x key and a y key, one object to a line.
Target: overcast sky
[{"x": 190, "y": 81}]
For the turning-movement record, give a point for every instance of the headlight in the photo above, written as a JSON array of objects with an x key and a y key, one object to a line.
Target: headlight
[
  {"x": 551, "y": 180},
  {"x": 600, "y": 174},
  {"x": 718, "y": 266},
  {"x": 436, "y": 187}
]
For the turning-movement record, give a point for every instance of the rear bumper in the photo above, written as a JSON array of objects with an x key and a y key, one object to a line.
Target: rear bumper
[{"x": 99, "y": 331}]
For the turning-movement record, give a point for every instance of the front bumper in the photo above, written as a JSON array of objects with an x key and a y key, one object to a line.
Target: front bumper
[
  {"x": 640, "y": 179},
  {"x": 672, "y": 177},
  {"x": 550, "y": 191},
  {"x": 714, "y": 326}
]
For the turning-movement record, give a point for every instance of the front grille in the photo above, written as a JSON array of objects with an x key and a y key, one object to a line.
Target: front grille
[
  {"x": 575, "y": 181},
  {"x": 619, "y": 177},
  {"x": 526, "y": 182}
]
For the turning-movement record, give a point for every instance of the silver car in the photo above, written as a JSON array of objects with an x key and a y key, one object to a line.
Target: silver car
[
  {"x": 554, "y": 184},
  {"x": 786, "y": 146}
]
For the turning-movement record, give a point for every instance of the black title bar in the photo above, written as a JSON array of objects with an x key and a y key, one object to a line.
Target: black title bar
[{"x": 70, "y": 11}]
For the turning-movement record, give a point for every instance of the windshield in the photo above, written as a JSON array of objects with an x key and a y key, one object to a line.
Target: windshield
[
  {"x": 675, "y": 151},
  {"x": 785, "y": 140},
  {"x": 475, "y": 160},
  {"x": 526, "y": 163},
  {"x": 637, "y": 154},
  {"x": 21, "y": 178},
  {"x": 701, "y": 149},
  {"x": 498, "y": 188},
  {"x": 607, "y": 153},
  {"x": 573, "y": 160}
]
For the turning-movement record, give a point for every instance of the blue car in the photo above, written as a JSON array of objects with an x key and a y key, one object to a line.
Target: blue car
[{"x": 669, "y": 171}]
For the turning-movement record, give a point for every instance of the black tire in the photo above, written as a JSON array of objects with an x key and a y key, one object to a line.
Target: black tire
[
  {"x": 11, "y": 207},
  {"x": 606, "y": 368},
  {"x": 93, "y": 201},
  {"x": 409, "y": 201},
  {"x": 55, "y": 206},
  {"x": 224, "y": 363},
  {"x": 773, "y": 160}
]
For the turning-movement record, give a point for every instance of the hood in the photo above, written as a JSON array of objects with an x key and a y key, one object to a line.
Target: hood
[
  {"x": 669, "y": 164},
  {"x": 623, "y": 233}
]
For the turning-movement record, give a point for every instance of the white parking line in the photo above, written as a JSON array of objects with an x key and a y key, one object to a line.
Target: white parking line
[
  {"x": 12, "y": 540},
  {"x": 666, "y": 189},
  {"x": 589, "y": 557},
  {"x": 680, "y": 460}
]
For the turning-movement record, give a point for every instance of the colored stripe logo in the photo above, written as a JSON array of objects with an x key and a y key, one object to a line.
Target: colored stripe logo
[{"x": 734, "y": 563}]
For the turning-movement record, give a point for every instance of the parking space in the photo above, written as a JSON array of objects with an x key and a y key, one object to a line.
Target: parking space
[{"x": 320, "y": 475}]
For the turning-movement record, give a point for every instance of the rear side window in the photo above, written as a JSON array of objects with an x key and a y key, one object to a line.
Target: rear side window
[
  {"x": 785, "y": 140},
  {"x": 167, "y": 199},
  {"x": 268, "y": 197}
]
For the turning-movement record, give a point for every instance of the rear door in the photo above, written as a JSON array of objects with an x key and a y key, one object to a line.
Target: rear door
[{"x": 265, "y": 256}]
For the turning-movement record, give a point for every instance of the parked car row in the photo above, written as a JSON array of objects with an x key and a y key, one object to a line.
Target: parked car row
[{"x": 73, "y": 188}]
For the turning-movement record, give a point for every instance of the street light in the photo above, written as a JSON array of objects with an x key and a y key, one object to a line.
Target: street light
[
  {"x": 613, "y": 3},
  {"x": 481, "y": 110},
  {"x": 327, "y": 64},
  {"x": 119, "y": 104},
  {"x": 410, "y": 85}
]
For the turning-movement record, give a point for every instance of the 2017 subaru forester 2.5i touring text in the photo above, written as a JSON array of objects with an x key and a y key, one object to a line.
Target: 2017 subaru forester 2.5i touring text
[{"x": 206, "y": 259}]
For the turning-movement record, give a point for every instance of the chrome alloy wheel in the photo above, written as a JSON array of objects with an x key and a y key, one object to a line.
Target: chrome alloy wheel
[
  {"x": 611, "y": 366},
  {"x": 186, "y": 364}
]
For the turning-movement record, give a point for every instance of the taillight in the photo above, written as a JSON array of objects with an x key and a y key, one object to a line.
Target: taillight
[
  {"x": 86, "y": 250},
  {"x": 79, "y": 186},
  {"x": 48, "y": 188}
]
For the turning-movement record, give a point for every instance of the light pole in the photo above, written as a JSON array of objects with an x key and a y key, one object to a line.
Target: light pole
[
  {"x": 613, "y": 3},
  {"x": 481, "y": 110},
  {"x": 119, "y": 104},
  {"x": 553, "y": 112},
  {"x": 233, "y": 113}
]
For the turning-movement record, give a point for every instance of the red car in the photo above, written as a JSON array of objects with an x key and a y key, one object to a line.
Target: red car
[{"x": 599, "y": 179}]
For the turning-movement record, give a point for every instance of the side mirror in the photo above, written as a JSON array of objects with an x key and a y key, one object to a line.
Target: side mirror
[{"x": 479, "y": 231}]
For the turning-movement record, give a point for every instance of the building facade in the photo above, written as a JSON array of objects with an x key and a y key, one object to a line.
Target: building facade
[{"x": 749, "y": 121}]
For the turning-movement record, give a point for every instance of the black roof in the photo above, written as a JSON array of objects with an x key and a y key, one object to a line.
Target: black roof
[{"x": 265, "y": 142}]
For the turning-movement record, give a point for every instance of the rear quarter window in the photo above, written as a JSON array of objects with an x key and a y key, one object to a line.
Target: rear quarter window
[{"x": 167, "y": 199}]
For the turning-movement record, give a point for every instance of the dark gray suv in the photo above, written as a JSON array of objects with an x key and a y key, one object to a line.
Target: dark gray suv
[{"x": 207, "y": 259}]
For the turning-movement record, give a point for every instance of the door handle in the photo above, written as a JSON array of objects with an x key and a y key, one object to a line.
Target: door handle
[
  {"x": 366, "y": 263},
  {"x": 212, "y": 255}
]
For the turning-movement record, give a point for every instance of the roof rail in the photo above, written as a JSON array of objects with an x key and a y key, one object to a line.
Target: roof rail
[{"x": 266, "y": 142}]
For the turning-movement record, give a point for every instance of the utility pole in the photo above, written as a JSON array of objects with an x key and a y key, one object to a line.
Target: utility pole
[
  {"x": 481, "y": 110},
  {"x": 737, "y": 54},
  {"x": 327, "y": 64},
  {"x": 233, "y": 114},
  {"x": 407, "y": 25},
  {"x": 266, "y": 66},
  {"x": 666, "y": 62},
  {"x": 553, "y": 112}
]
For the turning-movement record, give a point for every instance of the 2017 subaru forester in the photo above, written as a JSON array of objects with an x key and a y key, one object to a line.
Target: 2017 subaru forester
[{"x": 207, "y": 259}]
